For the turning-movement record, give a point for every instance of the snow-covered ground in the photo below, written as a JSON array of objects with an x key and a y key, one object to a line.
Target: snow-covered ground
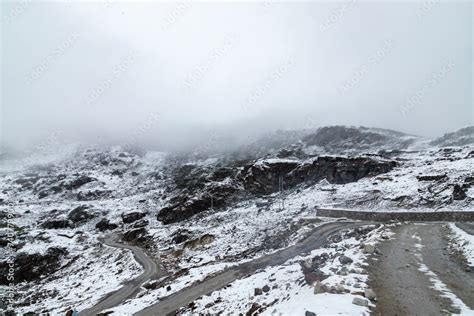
[
  {"x": 284, "y": 290},
  {"x": 463, "y": 242},
  {"x": 33, "y": 191}
]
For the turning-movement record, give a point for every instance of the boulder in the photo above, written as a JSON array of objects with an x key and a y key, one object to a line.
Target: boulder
[
  {"x": 345, "y": 260},
  {"x": 104, "y": 225},
  {"x": 128, "y": 218},
  {"x": 369, "y": 248},
  {"x": 370, "y": 294},
  {"x": 80, "y": 215},
  {"x": 320, "y": 288},
  {"x": 257, "y": 291},
  {"x": 360, "y": 301},
  {"x": 343, "y": 271},
  {"x": 459, "y": 193},
  {"x": 181, "y": 236},
  {"x": 266, "y": 289},
  {"x": 308, "y": 313}
]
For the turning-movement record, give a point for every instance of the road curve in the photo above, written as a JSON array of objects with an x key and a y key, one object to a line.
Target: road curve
[
  {"x": 318, "y": 237},
  {"x": 130, "y": 288}
]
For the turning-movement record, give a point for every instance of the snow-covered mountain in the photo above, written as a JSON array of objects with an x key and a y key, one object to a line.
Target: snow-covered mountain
[{"x": 198, "y": 214}]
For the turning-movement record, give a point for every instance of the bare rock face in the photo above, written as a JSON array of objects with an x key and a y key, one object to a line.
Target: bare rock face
[
  {"x": 215, "y": 194},
  {"x": 264, "y": 177},
  {"x": 31, "y": 267}
]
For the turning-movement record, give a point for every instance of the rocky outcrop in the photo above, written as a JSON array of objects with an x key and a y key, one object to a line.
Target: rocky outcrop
[
  {"x": 31, "y": 267},
  {"x": 264, "y": 177},
  {"x": 216, "y": 194}
]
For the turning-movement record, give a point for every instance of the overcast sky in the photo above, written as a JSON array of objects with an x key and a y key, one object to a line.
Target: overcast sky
[{"x": 178, "y": 73}]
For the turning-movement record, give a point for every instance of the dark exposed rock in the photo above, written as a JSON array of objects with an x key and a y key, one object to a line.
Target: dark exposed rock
[
  {"x": 140, "y": 223},
  {"x": 434, "y": 177},
  {"x": 459, "y": 193},
  {"x": 308, "y": 313},
  {"x": 257, "y": 291},
  {"x": 345, "y": 259},
  {"x": 128, "y": 218},
  {"x": 30, "y": 267},
  {"x": 266, "y": 289},
  {"x": 136, "y": 235},
  {"x": 264, "y": 177},
  {"x": 254, "y": 310},
  {"x": 92, "y": 195},
  {"x": 57, "y": 224},
  {"x": 185, "y": 206},
  {"x": 181, "y": 236},
  {"x": 80, "y": 214},
  {"x": 78, "y": 182},
  {"x": 104, "y": 225}
]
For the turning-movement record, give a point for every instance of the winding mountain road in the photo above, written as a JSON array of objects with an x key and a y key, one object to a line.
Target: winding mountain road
[
  {"x": 130, "y": 288},
  {"x": 317, "y": 238}
]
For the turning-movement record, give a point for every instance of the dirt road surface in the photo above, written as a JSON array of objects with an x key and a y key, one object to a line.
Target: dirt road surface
[{"x": 402, "y": 289}]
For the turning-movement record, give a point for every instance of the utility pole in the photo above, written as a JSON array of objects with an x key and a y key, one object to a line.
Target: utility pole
[{"x": 280, "y": 188}]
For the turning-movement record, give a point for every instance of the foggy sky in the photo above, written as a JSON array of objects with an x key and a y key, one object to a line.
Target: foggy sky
[{"x": 179, "y": 74}]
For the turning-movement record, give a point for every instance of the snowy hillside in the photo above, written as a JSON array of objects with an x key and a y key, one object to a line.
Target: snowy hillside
[{"x": 197, "y": 215}]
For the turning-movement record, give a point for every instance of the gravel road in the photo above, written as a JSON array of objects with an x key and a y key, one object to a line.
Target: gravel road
[{"x": 402, "y": 289}]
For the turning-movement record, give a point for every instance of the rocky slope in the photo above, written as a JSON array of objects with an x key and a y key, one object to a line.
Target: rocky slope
[{"x": 197, "y": 214}]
